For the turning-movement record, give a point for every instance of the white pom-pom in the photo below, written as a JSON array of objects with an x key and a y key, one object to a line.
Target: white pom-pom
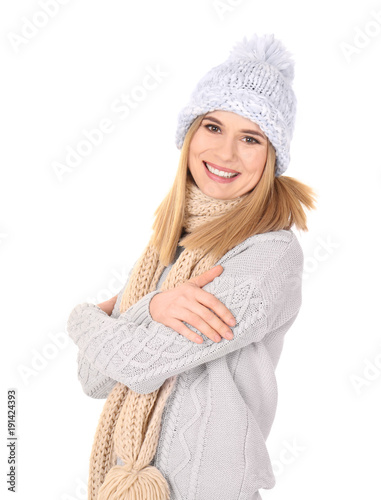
[{"x": 267, "y": 49}]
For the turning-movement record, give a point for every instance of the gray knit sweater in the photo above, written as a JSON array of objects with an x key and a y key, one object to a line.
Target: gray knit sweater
[{"x": 212, "y": 442}]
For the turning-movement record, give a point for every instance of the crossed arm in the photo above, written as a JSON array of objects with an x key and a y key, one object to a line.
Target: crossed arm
[{"x": 141, "y": 353}]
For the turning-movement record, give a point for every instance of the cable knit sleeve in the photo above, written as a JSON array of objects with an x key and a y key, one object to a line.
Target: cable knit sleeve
[
  {"x": 142, "y": 353},
  {"x": 95, "y": 383}
]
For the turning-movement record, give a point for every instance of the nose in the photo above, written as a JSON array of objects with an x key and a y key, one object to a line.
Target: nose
[{"x": 226, "y": 150}]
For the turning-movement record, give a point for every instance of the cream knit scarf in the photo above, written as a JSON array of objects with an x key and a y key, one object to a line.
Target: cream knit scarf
[{"x": 130, "y": 423}]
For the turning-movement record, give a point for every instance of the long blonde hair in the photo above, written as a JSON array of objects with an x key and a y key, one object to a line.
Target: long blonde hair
[{"x": 274, "y": 203}]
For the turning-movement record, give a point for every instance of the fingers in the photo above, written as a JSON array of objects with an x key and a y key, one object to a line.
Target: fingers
[
  {"x": 209, "y": 315},
  {"x": 207, "y": 322},
  {"x": 207, "y": 276},
  {"x": 188, "y": 303},
  {"x": 210, "y": 301},
  {"x": 204, "y": 320},
  {"x": 183, "y": 330}
]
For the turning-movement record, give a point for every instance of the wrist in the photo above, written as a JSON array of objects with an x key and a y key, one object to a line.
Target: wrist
[{"x": 150, "y": 307}]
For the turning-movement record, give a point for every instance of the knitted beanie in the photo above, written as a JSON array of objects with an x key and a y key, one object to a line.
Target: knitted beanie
[{"x": 254, "y": 82}]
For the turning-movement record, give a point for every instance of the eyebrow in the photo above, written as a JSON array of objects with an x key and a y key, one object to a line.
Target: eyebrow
[{"x": 254, "y": 132}]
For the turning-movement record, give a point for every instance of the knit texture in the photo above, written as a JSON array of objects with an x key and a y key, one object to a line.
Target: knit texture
[
  {"x": 221, "y": 409},
  {"x": 255, "y": 82},
  {"x": 130, "y": 422}
]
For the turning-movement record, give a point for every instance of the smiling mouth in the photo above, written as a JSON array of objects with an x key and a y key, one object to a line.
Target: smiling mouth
[{"x": 221, "y": 172}]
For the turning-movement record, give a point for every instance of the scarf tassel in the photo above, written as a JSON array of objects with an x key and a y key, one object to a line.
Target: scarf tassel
[{"x": 122, "y": 482}]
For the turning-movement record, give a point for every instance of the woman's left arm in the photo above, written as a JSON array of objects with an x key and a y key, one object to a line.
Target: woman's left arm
[{"x": 96, "y": 384}]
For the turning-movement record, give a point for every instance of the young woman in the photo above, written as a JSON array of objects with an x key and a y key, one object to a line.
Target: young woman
[{"x": 186, "y": 352}]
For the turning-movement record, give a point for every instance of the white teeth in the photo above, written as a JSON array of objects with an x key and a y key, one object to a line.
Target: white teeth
[{"x": 220, "y": 173}]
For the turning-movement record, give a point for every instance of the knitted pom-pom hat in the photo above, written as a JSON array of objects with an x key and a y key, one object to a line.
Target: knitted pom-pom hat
[{"x": 254, "y": 82}]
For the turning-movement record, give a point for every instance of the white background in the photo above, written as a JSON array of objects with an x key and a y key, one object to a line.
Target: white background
[{"x": 70, "y": 240}]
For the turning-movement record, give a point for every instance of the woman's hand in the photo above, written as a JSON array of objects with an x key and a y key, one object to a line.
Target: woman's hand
[
  {"x": 108, "y": 305},
  {"x": 190, "y": 303}
]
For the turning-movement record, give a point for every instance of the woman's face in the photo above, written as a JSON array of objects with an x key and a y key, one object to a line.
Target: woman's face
[{"x": 227, "y": 142}]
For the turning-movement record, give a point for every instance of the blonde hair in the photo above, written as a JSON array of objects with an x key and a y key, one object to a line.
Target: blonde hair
[{"x": 274, "y": 203}]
